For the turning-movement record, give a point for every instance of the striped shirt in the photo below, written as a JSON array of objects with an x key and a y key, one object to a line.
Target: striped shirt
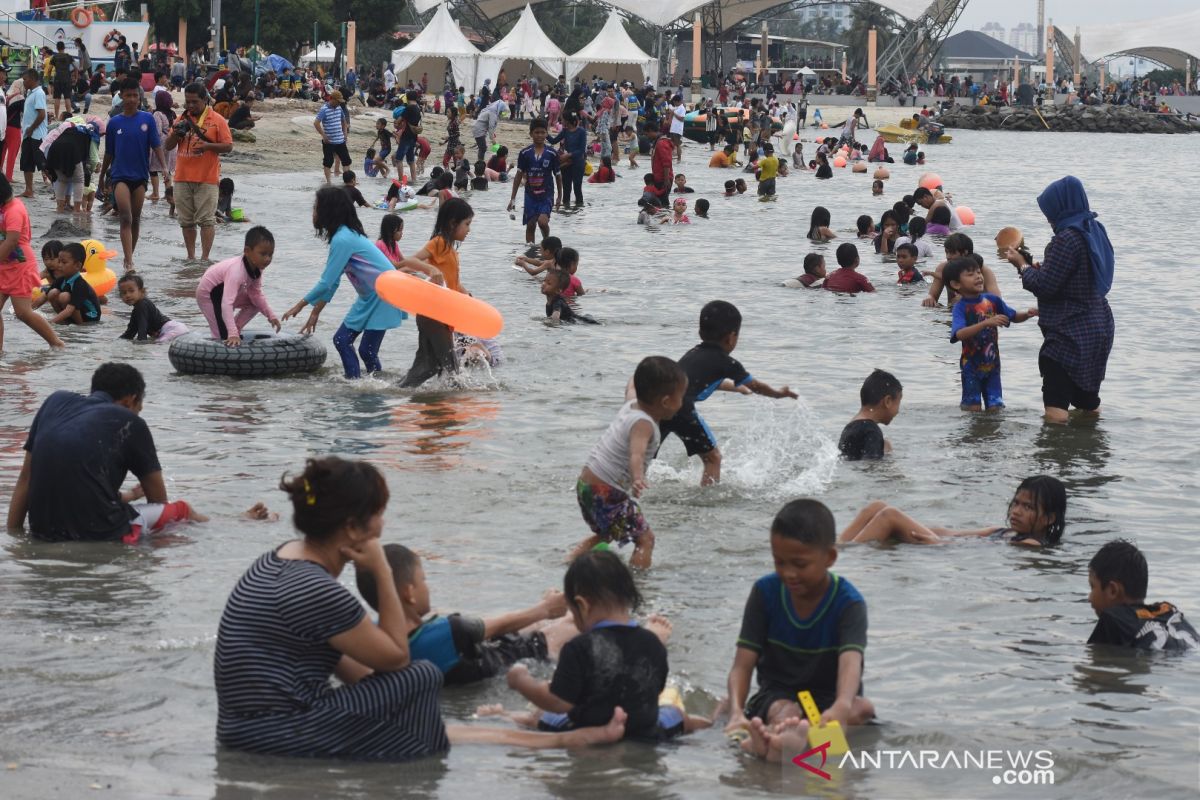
[
  {"x": 330, "y": 118},
  {"x": 272, "y": 668}
]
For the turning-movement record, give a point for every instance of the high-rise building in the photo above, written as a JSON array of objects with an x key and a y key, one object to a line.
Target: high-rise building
[
  {"x": 1024, "y": 37},
  {"x": 994, "y": 30},
  {"x": 838, "y": 12}
]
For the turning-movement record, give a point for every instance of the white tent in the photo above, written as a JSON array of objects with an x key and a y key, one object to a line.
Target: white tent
[
  {"x": 526, "y": 43},
  {"x": 441, "y": 39},
  {"x": 324, "y": 54},
  {"x": 613, "y": 55}
]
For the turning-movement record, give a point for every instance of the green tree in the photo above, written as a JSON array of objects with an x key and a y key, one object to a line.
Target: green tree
[{"x": 863, "y": 17}]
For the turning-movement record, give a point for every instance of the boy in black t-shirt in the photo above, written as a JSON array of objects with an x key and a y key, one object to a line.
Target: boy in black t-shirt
[
  {"x": 76, "y": 300},
  {"x": 1117, "y": 578},
  {"x": 557, "y": 307},
  {"x": 708, "y": 366},
  {"x": 862, "y": 437}
]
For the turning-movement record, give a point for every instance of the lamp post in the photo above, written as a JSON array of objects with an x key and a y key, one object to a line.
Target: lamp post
[{"x": 254, "y": 57}]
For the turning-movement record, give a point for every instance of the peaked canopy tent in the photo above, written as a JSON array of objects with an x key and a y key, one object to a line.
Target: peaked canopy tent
[
  {"x": 613, "y": 55},
  {"x": 441, "y": 40},
  {"x": 323, "y": 54},
  {"x": 1170, "y": 41},
  {"x": 524, "y": 45}
]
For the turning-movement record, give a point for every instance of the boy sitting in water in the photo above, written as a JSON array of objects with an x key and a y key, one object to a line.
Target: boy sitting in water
[
  {"x": 877, "y": 188},
  {"x": 862, "y": 437},
  {"x": 804, "y": 629},
  {"x": 708, "y": 365},
  {"x": 1117, "y": 579},
  {"x": 814, "y": 271},
  {"x": 977, "y": 314},
  {"x": 730, "y": 188},
  {"x": 701, "y": 208},
  {"x": 468, "y": 649},
  {"x": 72, "y": 297},
  {"x": 557, "y": 307},
  {"x": 958, "y": 245},
  {"x": 906, "y": 264},
  {"x": 846, "y": 278},
  {"x": 615, "y": 472}
]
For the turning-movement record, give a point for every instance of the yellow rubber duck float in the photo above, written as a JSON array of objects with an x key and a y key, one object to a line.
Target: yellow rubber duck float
[{"x": 95, "y": 266}]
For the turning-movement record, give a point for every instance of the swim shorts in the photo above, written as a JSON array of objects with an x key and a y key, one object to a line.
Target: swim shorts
[
  {"x": 535, "y": 207},
  {"x": 153, "y": 517},
  {"x": 766, "y": 188},
  {"x": 670, "y": 722},
  {"x": 610, "y": 513},
  {"x": 692, "y": 430},
  {"x": 759, "y": 704},
  {"x": 1059, "y": 390},
  {"x": 982, "y": 387}
]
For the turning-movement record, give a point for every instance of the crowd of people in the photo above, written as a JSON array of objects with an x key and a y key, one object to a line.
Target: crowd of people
[{"x": 290, "y": 626}]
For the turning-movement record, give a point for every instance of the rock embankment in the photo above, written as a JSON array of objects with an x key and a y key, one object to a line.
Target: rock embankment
[{"x": 1094, "y": 119}]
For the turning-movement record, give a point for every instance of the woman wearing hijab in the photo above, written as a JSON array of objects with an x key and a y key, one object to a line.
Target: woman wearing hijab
[
  {"x": 1070, "y": 285},
  {"x": 879, "y": 153}
]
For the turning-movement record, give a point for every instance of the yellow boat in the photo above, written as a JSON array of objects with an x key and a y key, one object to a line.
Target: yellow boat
[{"x": 903, "y": 134}]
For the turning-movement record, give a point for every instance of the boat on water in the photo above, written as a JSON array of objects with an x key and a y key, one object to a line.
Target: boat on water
[{"x": 905, "y": 134}]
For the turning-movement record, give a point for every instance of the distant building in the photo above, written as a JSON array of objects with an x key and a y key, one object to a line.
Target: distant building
[
  {"x": 1024, "y": 37},
  {"x": 838, "y": 12},
  {"x": 994, "y": 30},
  {"x": 980, "y": 56}
]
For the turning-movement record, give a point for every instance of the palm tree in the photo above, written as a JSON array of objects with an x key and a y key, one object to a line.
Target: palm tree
[{"x": 863, "y": 17}]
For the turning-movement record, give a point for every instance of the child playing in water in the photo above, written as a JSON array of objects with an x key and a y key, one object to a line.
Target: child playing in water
[
  {"x": 906, "y": 265},
  {"x": 604, "y": 173},
  {"x": 70, "y": 295},
  {"x": 615, "y": 472},
  {"x": 479, "y": 183},
  {"x": 818, "y": 226},
  {"x": 1117, "y": 581},
  {"x": 866, "y": 227},
  {"x": 557, "y": 307},
  {"x": 938, "y": 223},
  {"x": 880, "y": 398},
  {"x": 804, "y": 628},
  {"x": 976, "y": 317},
  {"x": 889, "y": 234},
  {"x": 740, "y": 185},
  {"x": 1037, "y": 516},
  {"x": 730, "y": 188},
  {"x": 876, "y": 188},
  {"x": 768, "y": 169},
  {"x": 916, "y": 237},
  {"x": 957, "y": 245},
  {"x": 708, "y": 365},
  {"x": 350, "y": 187},
  {"x": 614, "y": 663},
  {"x": 681, "y": 186},
  {"x": 567, "y": 260},
  {"x": 535, "y": 165},
  {"x": 814, "y": 271},
  {"x": 701, "y": 208},
  {"x": 467, "y": 649},
  {"x": 377, "y": 161},
  {"x": 146, "y": 322},
  {"x": 549, "y": 252},
  {"x": 497, "y": 167},
  {"x": 391, "y": 231},
  {"x": 230, "y": 293},
  {"x": 680, "y": 216},
  {"x": 629, "y": 146},
  {"x": 798, "y": 157},
  {"x": 846, "y": 278}
]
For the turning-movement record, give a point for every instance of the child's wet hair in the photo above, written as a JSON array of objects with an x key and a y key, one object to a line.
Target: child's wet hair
[
  {"x": 502, "y": 151},
  {"x": 436, "y": 173},
  {"x": 908, "y": 247},
  {"x": 51, "y": 249},
  {"x": 657, "y": 377},
  {"x": 940, "y": 215},
  {"x": 552, "y": 244},
  {"x": 388, "y": 227},
  {"x": 453, "y": 213},
  {"x": 702, "y": 206},
  {"x": 404, "y": 563},
  {"x": 806, "y": 521},
  {"x": 820, "y": 219},
  {"x": 878, "y": 386},
  {"x": 601, "y": 578},
  {"x": 348, "y": 176},
  {"x": 847, "y": 255},
  {"x": 648, "y": 179},
  {"x": 225, "y": 186},
  {"x": 957, "y": 267},
  {"x": 134, "y": 278},
  {"x": 959, "y": 243},
  {"x": 332, "y": 493},
  {"x": 811, "y": 262},
  {"x": 718, "y": 319},
  {"x": 258, "y": 235},
  {"x": 371, "y": 150},
  {"x": 1120, "y": 560},
  {"x": 901, "y": 211},
  {"x": 119, "y": 381},
  {"x": 566, "y": 258},
  {"x": 864, "y": 223},
  {"x": 1049, "y": 497},
  {"x": 916, "y": 228},
  {"x": 730, "y": 186},
  {"x": 74, "y": 251}
]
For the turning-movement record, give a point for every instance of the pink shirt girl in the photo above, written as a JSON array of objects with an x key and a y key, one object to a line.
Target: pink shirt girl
[{"x": 229, "y": 284}]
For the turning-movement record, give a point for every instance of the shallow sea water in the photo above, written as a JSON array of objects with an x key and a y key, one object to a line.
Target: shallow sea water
[{"x": 106, "y": 651}]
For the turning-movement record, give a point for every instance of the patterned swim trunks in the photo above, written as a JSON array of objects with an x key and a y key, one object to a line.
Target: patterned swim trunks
[{"x": 612, "y": 515}]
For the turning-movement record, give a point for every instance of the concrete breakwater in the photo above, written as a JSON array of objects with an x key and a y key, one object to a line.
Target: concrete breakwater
[{"x": 1096, "y": 119}]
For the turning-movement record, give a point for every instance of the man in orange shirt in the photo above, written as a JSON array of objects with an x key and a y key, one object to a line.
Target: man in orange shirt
[{"x": 201, "y": 135}]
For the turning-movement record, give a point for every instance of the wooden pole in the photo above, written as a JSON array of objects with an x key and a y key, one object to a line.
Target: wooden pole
[
  {"x": 351, "y": 43},
  {"x": 764, "y": 58},
  {"x": 872, "y": 43},
  {"x": 1050, "y": 59},
  {"x": 183, "y": 51},
  {"x": 697, "y": 60},
  {"x": 1078, "y": 59}
]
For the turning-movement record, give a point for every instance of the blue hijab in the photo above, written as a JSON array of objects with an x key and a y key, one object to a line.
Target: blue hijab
[{"x": 1065, "y": 204}]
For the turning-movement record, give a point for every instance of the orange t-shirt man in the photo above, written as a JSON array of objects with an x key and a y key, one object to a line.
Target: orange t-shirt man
[{"x": 192, "y": 166}]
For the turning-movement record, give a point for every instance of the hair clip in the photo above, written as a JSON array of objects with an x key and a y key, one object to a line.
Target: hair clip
[{"x": 309, "y": 497}]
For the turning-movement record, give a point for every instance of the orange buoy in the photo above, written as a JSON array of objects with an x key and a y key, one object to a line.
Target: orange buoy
[
  {"x": 839, "y": 161},
  {"x": 881, "y": 174},
  {"x": 965, "y": 215},
  {"x": 930, "y": 181}
]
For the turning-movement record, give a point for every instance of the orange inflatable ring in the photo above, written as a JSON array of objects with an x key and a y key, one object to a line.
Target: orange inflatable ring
[
  {"x": 112, "y": 40},
  {"x": 461, "y": 312},
  {"x": 98, "y": 13},
  {"x": 81, "y": 17}
]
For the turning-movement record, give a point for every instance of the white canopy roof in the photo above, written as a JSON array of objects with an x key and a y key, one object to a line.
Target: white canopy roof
[
  {"x": 323, "y": 54},
  {"x": 612, "y": 45},
  {"x": 662, "y": 12},
  {"x": 525, "y": 42},
  {"x": 1167, "y": 40},
  {"x": 441, "y": 39}
]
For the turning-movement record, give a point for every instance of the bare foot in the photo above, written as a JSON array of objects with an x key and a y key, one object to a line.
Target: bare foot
[
  {"x": 789, "y": 735},
  {"x": 260, "y": 513},
  {"x": 660, "y": 626},
  {"x": 25, "y": 194},
  {"x": 492, "y": 710},
  {"x": 756, "y": 743},
  {"x": 605, "y": 734}
]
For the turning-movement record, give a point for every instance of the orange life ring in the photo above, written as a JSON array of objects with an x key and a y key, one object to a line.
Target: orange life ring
[
  {"x": 98, "y": 13},
  {"x": 112, "y": 40},
  {"x": 81, "y": 17}
]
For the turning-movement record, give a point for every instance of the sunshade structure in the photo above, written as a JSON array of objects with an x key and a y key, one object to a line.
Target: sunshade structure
[
  {"x": 441, "y": 40},
  {"x": 526, "y": 43},
  {"x": 613, "y": 55},
  {"x": 324, "y": 54},
  {"x": 1167, "y": 40}
]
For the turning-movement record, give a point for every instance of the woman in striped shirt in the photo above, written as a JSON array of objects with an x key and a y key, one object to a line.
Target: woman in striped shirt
[{"x": 289, "y": 625}]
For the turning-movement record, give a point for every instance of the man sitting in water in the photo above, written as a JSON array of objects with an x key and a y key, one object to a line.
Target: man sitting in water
[
  {"x": 1117, "y": 578},
  {"x": 76, "y": 457}
]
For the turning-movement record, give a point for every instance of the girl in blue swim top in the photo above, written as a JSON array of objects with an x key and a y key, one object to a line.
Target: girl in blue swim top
[{"x": 1036, "y": 518}]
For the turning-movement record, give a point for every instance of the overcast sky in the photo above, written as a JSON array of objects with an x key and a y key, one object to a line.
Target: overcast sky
[{"x": 1067, "y": 13}]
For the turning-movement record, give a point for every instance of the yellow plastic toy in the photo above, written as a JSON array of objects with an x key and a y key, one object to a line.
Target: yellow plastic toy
[
  {"x": 95, "y": 266},
  {"x": 670, "y": 696},
  {"x": 818, "y": 734}
]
